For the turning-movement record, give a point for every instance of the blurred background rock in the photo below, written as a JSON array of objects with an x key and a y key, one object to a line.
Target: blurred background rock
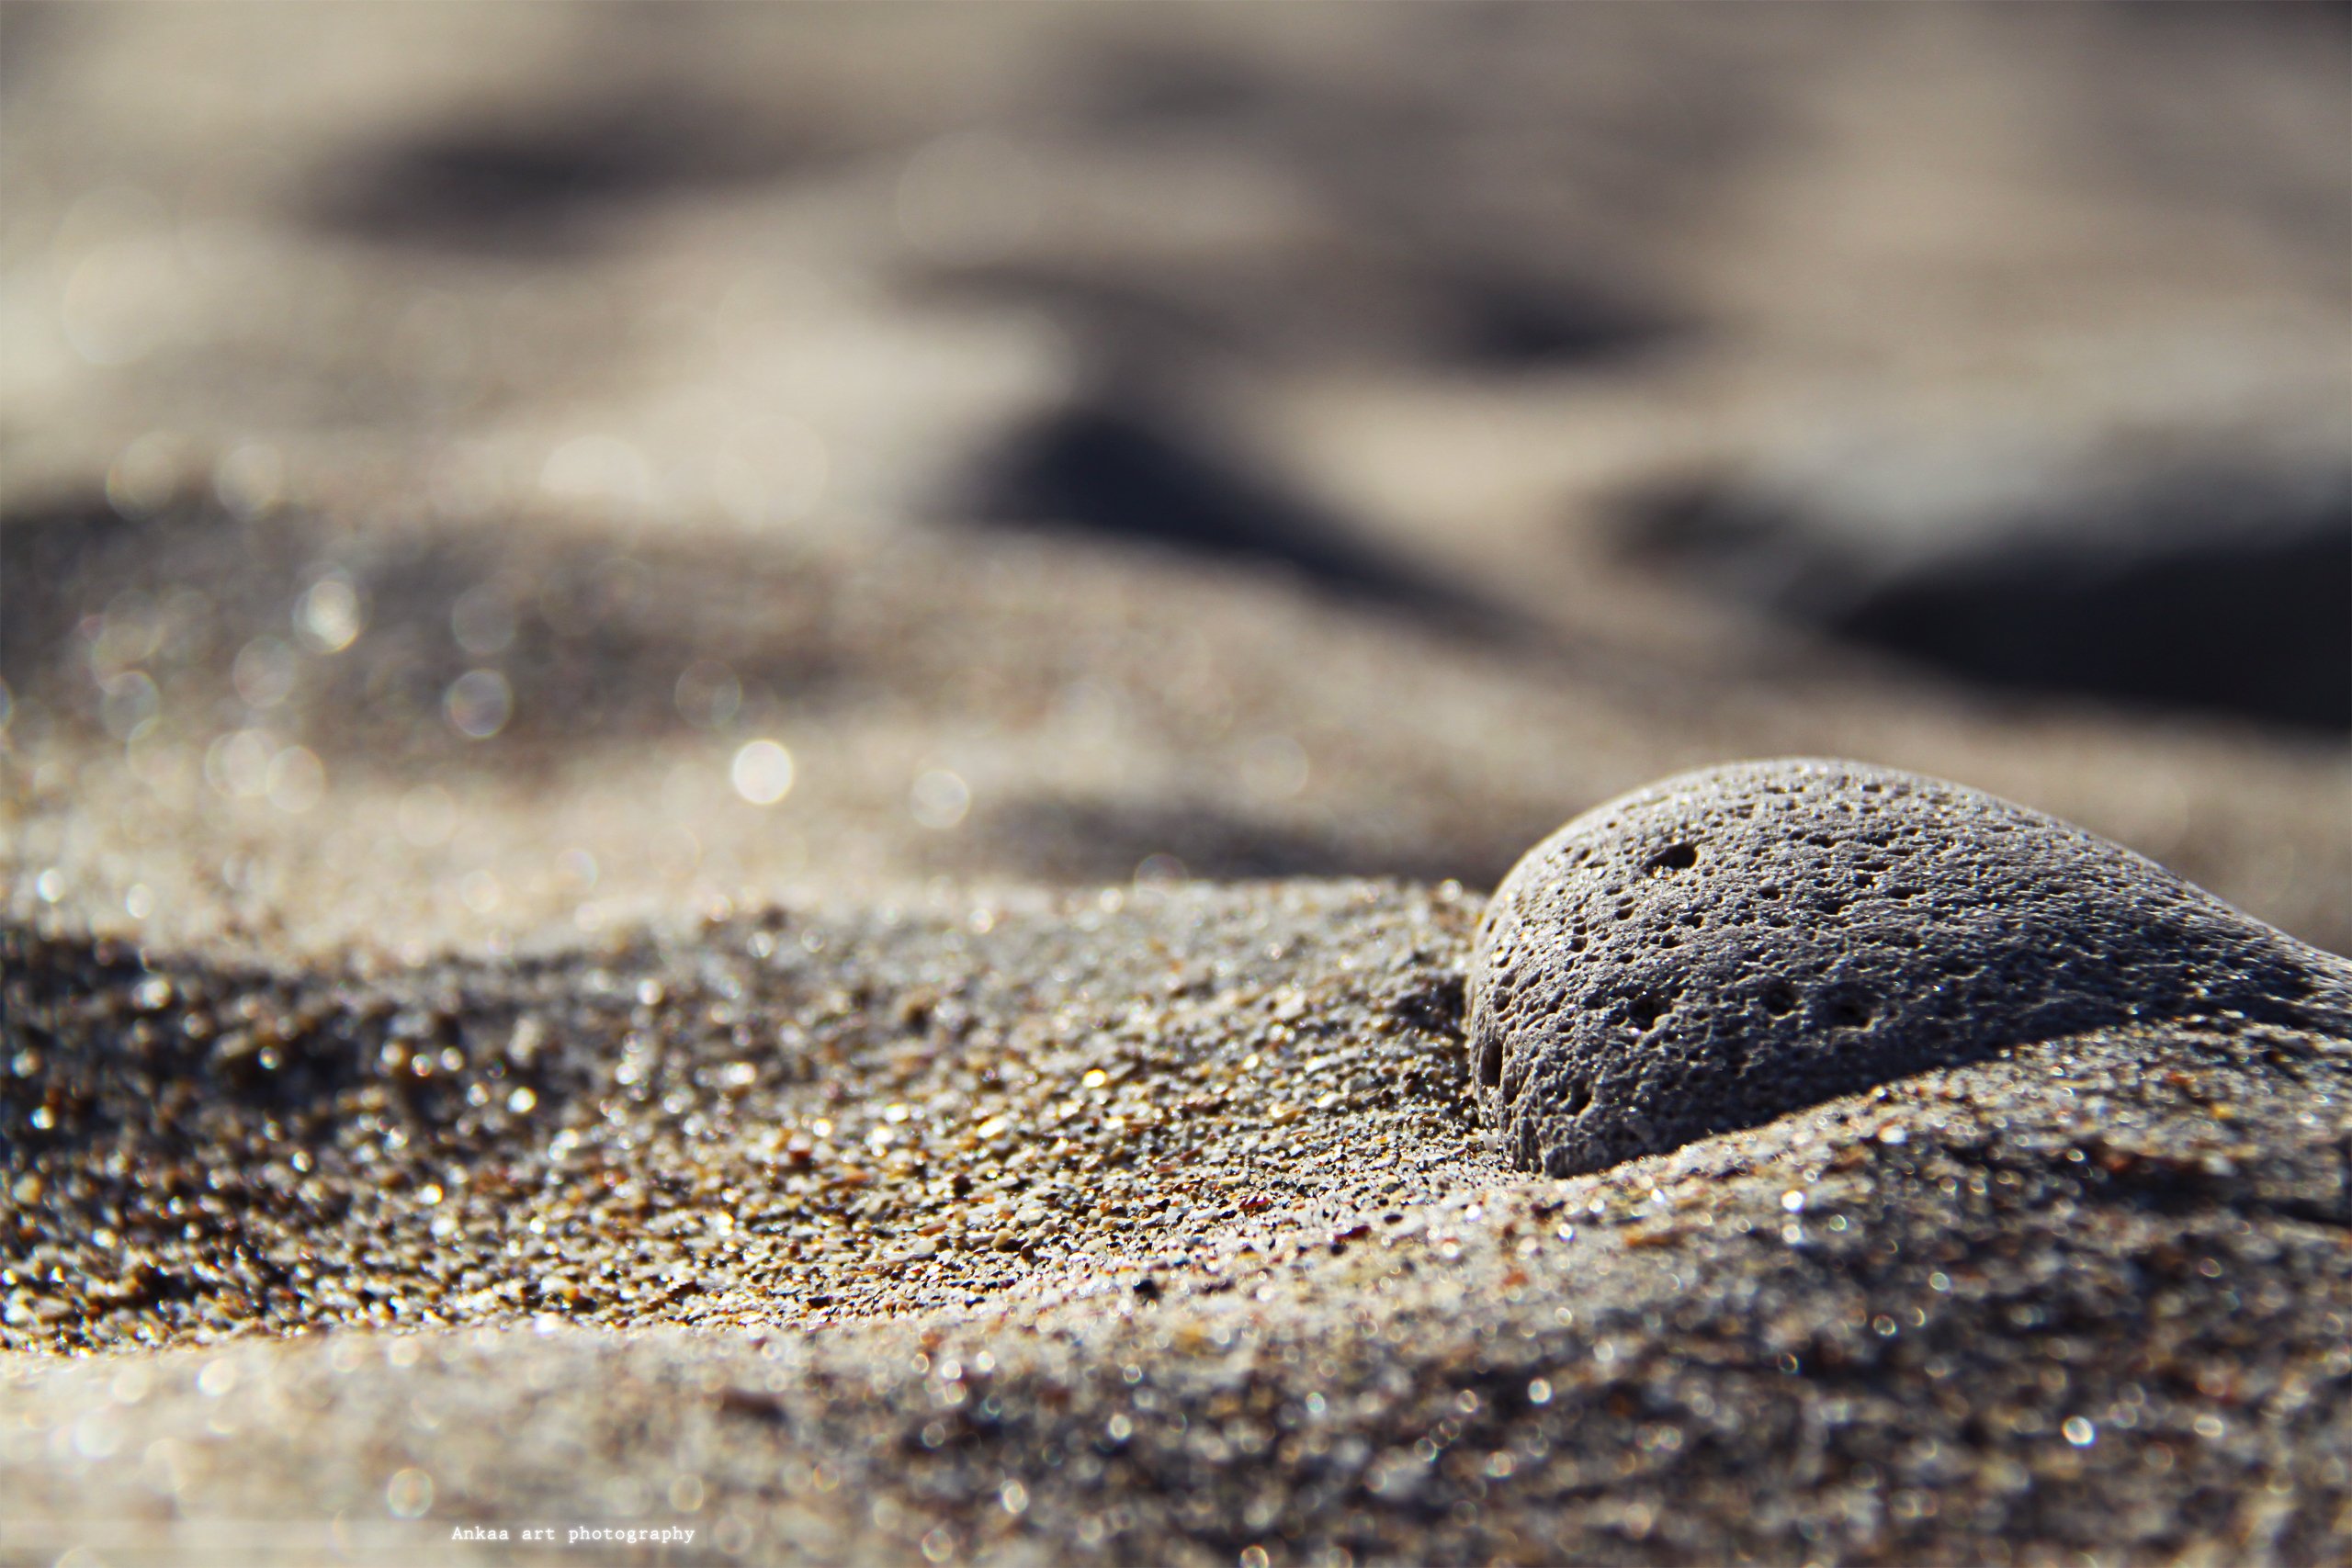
[{"x": 482, "y": 474}]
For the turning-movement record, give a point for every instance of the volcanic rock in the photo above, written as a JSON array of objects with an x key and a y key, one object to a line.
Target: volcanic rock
[{"x": 1732, "y": 945}]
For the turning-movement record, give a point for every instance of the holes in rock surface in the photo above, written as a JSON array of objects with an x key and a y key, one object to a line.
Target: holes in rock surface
[
  {"x": 1646, "y": 1010},
  {"x": 1844, "y": 1011},
  {"x": 1674, "y": 857},
  {"x": 1490, "y": 1061},
  {"x": 1576, "y": 1097},
  {"x": 1777, "y": 1000}
]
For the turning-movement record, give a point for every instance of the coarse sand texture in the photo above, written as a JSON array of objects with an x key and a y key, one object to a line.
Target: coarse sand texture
[{"x": 1732, "y": 945}]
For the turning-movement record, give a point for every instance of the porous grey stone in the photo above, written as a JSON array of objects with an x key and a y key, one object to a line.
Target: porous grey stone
[{"x": 1729, "y": 945}]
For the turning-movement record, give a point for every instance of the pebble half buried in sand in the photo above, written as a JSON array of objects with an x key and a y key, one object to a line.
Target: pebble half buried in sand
[{"x": 1729, "y": 945}]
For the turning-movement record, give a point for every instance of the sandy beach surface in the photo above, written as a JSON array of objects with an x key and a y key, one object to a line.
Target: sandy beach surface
[{"x": 748, "y": 758}]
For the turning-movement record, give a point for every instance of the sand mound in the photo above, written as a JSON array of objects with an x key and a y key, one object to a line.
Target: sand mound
[{"x": 1154, "y": 1231}]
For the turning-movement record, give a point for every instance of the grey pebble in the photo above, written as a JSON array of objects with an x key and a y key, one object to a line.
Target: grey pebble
[{"x": 1730, "y": 945}]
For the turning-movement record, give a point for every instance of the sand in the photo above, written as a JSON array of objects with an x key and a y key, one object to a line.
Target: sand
[
  {"x": 454, "y": 1079},
  {"x": 1197, "y": 1253}
]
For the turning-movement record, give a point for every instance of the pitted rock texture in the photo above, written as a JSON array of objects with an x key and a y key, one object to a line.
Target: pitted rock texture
[{"x": 1730, "y": 945}]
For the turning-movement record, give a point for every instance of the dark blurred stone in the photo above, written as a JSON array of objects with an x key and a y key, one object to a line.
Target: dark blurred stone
[
  {"x": 1113, "y": 469},
  {"x": 599, "y": 634},
  {"x": 544, "y": 183},
  {"x": 2211, "y": 583},
  {"x": 1533, "y": 324},
  {"x": 1066, "y": 840}
]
